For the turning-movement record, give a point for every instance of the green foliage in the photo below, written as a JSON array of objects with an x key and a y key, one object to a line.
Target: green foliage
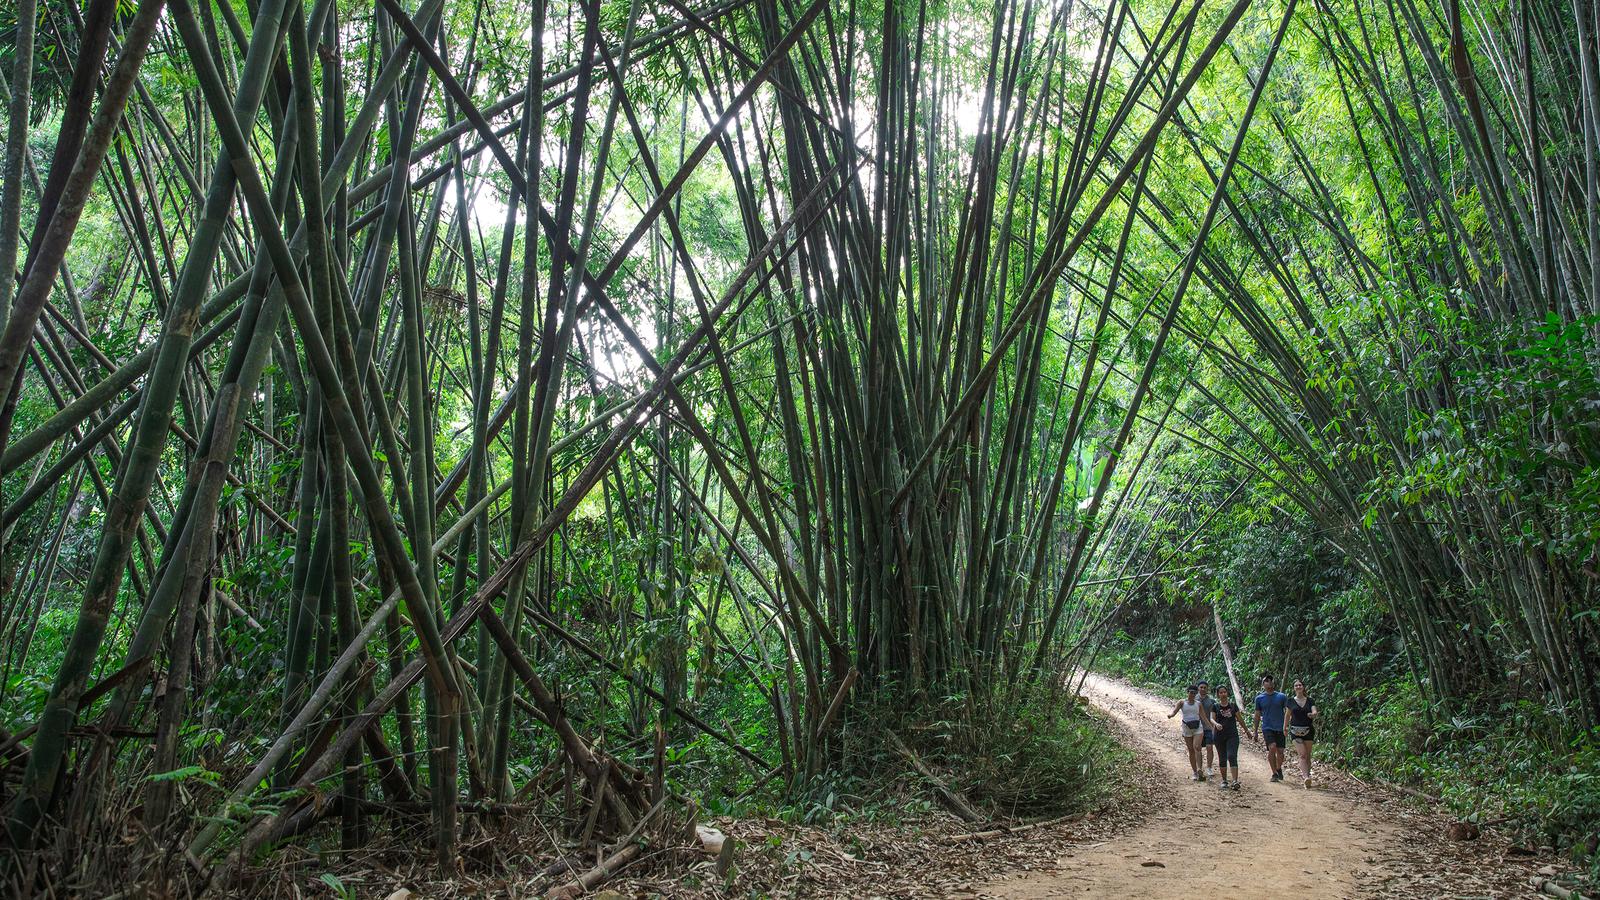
[
  {"x": 1041, "y": 754},
  {"x": 1040, "y": 758},
  {"x": 1498, "y": 760},
  {"x": 188, "y": 773},
  {"x": 338, "y": 887}
]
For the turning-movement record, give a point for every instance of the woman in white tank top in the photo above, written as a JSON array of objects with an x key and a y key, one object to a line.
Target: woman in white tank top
[{"x": 1194, "y": 729}]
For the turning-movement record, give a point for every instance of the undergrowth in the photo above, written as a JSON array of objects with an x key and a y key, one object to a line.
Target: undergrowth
[
  {"x": 1036, "y": 757},
  {"x": 1494, "y": 760},
  {"x": 1013, "y": 757}
]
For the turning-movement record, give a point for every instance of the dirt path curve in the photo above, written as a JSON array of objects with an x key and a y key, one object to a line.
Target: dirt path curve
[{"x": 1265, "y": 840}]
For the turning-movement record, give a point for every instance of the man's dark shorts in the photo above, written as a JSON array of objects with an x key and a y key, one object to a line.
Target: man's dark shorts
[
  {"x": 1210, "y": 739},
  {"x": 1270, "y": 738}
]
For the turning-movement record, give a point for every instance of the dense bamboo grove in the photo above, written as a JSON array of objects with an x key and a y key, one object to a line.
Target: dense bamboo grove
[
  {"x": 428, "y": 408},
  {"x": 1420, "y": 380}
]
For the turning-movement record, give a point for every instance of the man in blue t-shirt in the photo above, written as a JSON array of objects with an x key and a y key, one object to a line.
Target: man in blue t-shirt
[{"x": 1271, "y": 704}]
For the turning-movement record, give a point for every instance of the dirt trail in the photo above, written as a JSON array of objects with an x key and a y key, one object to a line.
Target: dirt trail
[{"x": 1265, "y": 840}]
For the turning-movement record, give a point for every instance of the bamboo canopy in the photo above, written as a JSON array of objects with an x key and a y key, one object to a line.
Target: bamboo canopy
[{"x": 403, "y": 401}]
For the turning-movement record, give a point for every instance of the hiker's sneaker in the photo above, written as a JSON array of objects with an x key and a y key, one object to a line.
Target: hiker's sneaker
[
  {"x": 1211, "y": 770},
  {"x": 1236, "y": 785},
  {"x": 1194, "y": 776},
  {"x": 1277, "y": 776},
  {"x": 1308, "y": 784},
  {"x": 1224, "y": 784}
]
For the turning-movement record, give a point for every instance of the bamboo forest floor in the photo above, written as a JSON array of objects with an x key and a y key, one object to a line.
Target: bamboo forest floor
[{"x": 1158, "y": 836}]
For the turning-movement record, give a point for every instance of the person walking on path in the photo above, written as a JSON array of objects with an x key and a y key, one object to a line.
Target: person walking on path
[
  {"x": 1209, "y": 740},
  {"x": 1194, "y": 717},
  {"x": 1226, "y": 718},
  {"x": 1302, "y": 730},
  {"x": 1271, "y": 704}
]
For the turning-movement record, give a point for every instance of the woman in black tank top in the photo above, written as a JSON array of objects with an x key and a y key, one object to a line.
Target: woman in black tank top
[{"x": 1302, "y": 730}]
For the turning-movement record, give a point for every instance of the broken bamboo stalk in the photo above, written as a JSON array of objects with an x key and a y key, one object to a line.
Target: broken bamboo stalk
[
  {"x": 1227, "y": 654},
  {"x": 1015, "y": 829},
  {"x": 950, "y": 797}
]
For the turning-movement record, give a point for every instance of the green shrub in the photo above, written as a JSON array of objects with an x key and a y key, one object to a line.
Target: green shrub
[
  {"x": 1039, "y": 755},
  {"x": 1495, "y": 761},
  {"x": 1046, "y": 757}
]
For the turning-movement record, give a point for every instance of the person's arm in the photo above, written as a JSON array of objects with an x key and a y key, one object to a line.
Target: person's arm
[
  {"x": 1313, "y": 712},
  {"x": 1255, "y": 722},
  {"x": 1175, "y": 708}
]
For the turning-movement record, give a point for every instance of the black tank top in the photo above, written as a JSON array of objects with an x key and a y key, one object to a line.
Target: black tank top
[{"x": 1300, "y": 715}]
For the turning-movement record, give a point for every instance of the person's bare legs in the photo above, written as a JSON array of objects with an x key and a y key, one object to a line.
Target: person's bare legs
[{"x": 1303, "y": 749}]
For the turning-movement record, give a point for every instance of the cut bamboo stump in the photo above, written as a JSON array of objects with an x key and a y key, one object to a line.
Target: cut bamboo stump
[{"x": 716, "y": 845}]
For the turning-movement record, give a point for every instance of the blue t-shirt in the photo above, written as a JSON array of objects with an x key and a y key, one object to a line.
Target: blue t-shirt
[{"x": 1271, "y": 707}]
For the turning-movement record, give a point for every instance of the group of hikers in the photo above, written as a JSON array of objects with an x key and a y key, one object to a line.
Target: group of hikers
[{"x": 1211, "y": 726}]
